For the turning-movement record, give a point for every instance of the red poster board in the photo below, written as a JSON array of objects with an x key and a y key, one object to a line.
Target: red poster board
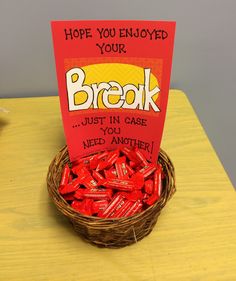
[{"x": 113, "y": 80}]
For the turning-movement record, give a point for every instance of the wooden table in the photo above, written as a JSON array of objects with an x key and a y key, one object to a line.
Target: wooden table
[{"x": 195, "y": 236}]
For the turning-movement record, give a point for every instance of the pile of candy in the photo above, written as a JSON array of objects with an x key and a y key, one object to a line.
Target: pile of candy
[{"x": 112, "y": 184}]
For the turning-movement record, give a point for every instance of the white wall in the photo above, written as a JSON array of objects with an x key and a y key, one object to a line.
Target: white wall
[{"x": 204, "y": 58}]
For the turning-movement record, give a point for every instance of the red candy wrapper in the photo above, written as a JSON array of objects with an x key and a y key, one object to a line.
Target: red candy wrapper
[
  {"x": 131, "y": 155},
  {"x": 134, "y": 209},
  {"x": 89, "y": 182},
  {"x": 78, "y": 206},
  {"x": 121, "y": 169},
  {"x": 148, "y": 186},
  {"x": 111, "y": 159},
  {"x": 124, "y": 191},
  {"x": 97, "y": 176},
  {"x": 110, "y": 174},
  {"x": 88, "y": 206},
  {"x": 119, "y": 184},
  {"x": 79, "y": 194},
  {"x": 96, "y": 194},
  {"x": 84, "y": 207},
  {"x": 112, "y": 206},
  {"x": 70, "y": 187},
  {"x": 93, "y": 162},
  {"x": 123, "y": 210},
  {"x": 135, "y": 196},
  {"x": 147, "y": 170},
  {"x": 65, "y": 175},
  {"x": 80, "y": 170},
  {"x": 141, "y": 157},
  {"x": 138, "y": 180},
  {"x": 157, "y": 188},
  {"x": 103, "y": 155},
  {"x": 151, "y": 200},
  {"x": 69, "y": 197},
  {"x": 130, "y": 170},
  {"x": 99, "y": 206}
]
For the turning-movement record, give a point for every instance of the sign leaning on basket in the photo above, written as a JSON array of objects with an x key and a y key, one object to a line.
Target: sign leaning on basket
[{"x": 113, "y": 80}]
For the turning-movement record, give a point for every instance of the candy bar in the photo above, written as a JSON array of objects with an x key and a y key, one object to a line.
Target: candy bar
[
  {"x": 135, "y": 195},
  {"x": 148, "y": 186},
  {"x": 70, "y": 187},
  {"x": 145, "y": 197},
  {"x": 131, "y": 155},
  {"x": 111, "y": 159},
  {"x": 157, "y": 188},
  {"x": 152, "y": 199},
  {"x": 124, "y": 208},
  {"x": 99, "y": 206},
  {"x": 83, "y": 162},
  {"x": 141, "y": 157},
  {"x": 97, "y": 176},
  {"x": 87, "y": 205},
  {"x": 89, "y": 182},
  {"x": 119, "y": 184},
  {"x": 102, "y": 155},
  {"x": 93, "y": 163},
  {"x": 110, "y": 174},
  {"x": 121, "y": 169},
  {"x": 117, "y": 208},
  {"x": 65, "y": 175},
  {"x": 130, "y": 170},
  {"x": 125, "y": 150},
  {"x": 112, "y": 206},
  {"x": 79, "y": 194},
  {"x": 70, "y": 178},
  {"x": 138, "y": 180},
  {"x": 102, "y": 165},
  {"x": 135, "y": 208},
  {"x": 148, "y": 170},
  {"x": 132, "y": 164},
  {"x": 143, "y": 174},
  {"x": 80, "y": 170},
  {"x": 77, "y": 205},
  {"x": 69, "y": 197},
  {"x": 84, "y": 207},
  {"x": 96, "y": 194}
]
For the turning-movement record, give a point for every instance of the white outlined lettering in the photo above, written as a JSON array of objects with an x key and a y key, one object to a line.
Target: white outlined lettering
[{"x": 143, "y": 95}]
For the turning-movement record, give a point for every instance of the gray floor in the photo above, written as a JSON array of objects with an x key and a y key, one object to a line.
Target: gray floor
[{"x": 204, "y": 59}]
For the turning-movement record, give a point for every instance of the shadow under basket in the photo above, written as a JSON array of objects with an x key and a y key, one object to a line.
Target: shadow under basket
[{"x": 110, "y": 233}]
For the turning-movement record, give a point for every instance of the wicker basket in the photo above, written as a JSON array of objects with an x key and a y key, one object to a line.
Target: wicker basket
[{"x": 110, "y": 233}]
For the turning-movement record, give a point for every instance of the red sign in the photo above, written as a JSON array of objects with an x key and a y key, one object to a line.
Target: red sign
[{"x": 113, "y": 80}]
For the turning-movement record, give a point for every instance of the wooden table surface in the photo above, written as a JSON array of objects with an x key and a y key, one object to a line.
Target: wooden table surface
[{"x": 195, "y": 236}]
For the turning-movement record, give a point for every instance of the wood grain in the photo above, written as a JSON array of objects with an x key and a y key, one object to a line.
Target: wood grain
[{"x": 194, "y": 239}]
